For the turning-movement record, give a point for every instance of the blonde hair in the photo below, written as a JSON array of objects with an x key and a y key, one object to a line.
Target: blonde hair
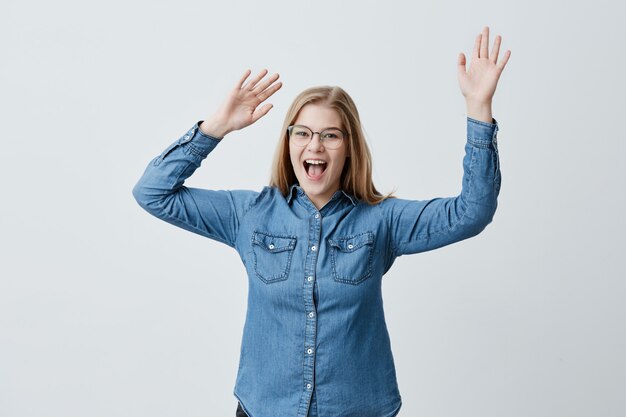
[{"x": 356, "y": 177}]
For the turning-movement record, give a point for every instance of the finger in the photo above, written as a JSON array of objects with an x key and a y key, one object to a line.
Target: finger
[
  {"x": 461, "y": 64},
  {"x": 504, "y": 60},
  {"x": 269, "y": 91},
  {"x": 250, "y": 85},
  {"x": 475, "y": 52},
  {"x": 484, "y": 43},
  {"x": 496, "y": 49},
  {"x": 263, "y": 85},
  {"x": 243, "y": 78},
  {"x": 260, "y": 112}
]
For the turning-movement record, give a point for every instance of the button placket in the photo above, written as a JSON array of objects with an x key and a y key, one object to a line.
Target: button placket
[{"x": 309, "y": 309}]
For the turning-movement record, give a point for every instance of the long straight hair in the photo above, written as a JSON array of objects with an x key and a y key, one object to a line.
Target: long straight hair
[{"x": 356, "y": 177}]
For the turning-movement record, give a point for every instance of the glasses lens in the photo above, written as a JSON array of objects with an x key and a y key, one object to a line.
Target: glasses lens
[
  {"x": 332, "y": 138},
  {"x": 300, "y": 135}
]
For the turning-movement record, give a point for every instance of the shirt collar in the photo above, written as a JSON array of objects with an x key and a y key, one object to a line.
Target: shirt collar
[{"x": 295, "y": 188}]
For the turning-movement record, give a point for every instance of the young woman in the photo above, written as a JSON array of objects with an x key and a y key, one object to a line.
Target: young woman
[{"x": 316, "y": 242}]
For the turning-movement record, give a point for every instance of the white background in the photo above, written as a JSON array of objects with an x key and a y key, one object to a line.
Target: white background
[{"x": 108, "y": 311}]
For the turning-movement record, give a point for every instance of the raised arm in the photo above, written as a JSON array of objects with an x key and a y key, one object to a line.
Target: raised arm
[
  {"x": 418, "y": 226},
  {"x": 211, "y": 213},
  {"x": 422, "y": 225}
]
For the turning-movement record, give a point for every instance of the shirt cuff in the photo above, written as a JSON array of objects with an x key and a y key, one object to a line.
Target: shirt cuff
[
  {"x": 201, "y": 143},
  {"x": 482, "y": 134}
]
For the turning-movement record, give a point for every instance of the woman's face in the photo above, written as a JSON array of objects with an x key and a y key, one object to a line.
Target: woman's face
[{"x": 319, "y": 181}]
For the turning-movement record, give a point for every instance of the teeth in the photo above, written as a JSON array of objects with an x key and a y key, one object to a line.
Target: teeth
[{"x": 314, "y": 161}]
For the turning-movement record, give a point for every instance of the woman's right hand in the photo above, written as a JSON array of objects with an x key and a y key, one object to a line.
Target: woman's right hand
[{"x": 241, "y": 107}]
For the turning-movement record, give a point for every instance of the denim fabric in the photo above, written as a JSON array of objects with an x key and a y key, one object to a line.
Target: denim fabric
[{"x": 315, "y": 342}]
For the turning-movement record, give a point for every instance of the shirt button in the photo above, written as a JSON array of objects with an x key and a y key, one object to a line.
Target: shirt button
[
  {"x": 317, "y": 215},
  {"x": 313, "y": 248},
  {"x": 271, "y": 246},
  {"x": 310, "y": 278},
  {"x": 308, "y": 386},
  {"x": 350, "y": 245},
  {"x": 309, "y": 351},
  {"x": 311, "y": 314}
]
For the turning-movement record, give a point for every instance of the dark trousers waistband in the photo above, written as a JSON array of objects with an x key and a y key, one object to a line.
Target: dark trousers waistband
[{"x": 240, "y": 412}]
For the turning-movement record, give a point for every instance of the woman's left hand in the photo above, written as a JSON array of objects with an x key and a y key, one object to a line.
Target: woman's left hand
[{"x": 479, "y": 83}]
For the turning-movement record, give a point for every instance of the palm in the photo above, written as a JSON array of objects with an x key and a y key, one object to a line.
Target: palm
[
  {"x": 241, "y": 107},
  {"x": 479, "y": 83}
]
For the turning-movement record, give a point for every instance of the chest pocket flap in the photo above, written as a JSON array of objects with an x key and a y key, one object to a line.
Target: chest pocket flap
[
  {"x": 272, "y": 256},
  {"x": 273, "y": 243},
  {"x": 351, "y": 257},
  {"x": 352, "y": 243}
]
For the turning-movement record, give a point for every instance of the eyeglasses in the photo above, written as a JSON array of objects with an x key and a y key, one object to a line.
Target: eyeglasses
[{"x": 302, "y": 135}]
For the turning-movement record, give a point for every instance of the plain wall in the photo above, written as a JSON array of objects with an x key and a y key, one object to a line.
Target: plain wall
[{"x": 107, "y": 311}]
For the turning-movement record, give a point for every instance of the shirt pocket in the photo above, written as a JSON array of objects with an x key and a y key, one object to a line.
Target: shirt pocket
[
  {"x": 272, "y": 255},
  {"x": 351, "y": 257}
]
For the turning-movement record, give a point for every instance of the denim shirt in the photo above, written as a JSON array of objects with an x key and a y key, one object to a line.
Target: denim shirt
[{"x": 315, "y": 342}]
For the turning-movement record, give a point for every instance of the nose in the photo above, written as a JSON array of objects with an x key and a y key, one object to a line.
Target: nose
[{"x": 315, "y": 144}]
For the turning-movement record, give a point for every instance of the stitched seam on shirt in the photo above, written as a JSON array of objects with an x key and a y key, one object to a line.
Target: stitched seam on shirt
[
  {"x": 195, "y": 150},
  {"x": 255, "y": 202},
  {"x": 290, "y": 249},
  {"x": 166, "y": 152},
  {"x": 238, "y": 222},
  {"x": 304, "y": 370},
  {"x": 393, "y": 247},
  {"x": 346, "y": 280},
  {"x": 245, "y": 212},
  {"x": 484, "y": 144}
]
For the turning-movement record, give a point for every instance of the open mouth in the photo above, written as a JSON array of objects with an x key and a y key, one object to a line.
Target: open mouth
[{"x": 315, "y": 168}]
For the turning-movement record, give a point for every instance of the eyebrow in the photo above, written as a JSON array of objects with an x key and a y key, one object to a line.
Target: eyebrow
[{"x": 326, "y": 128}]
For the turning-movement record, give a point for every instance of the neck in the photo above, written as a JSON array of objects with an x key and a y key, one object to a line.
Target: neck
[{"x": 319, "y": 201}]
